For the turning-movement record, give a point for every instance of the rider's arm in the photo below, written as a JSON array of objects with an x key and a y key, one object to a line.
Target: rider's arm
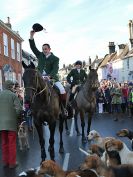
[
  {"x": 69, "y": 77},
  {"x": 33, "y": 45}
]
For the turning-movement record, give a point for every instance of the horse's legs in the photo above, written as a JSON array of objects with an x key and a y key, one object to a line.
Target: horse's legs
[
  {"x": 66, "y": 127},
  {"x": 82, "y": 118},
  {"x": 89, "y": 122},
  {"x": 51, "y": 139},
  {"x": 76, "y": 122},
  {"x": 39, "y": 128},
  {"x": 61, "y": 121}
]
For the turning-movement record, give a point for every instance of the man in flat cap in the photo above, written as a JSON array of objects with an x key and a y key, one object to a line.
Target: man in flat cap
[{"x": 10, "y": 108}]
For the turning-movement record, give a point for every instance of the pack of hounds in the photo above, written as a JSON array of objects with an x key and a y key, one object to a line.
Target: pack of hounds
[{"x": 106, "y": 157}]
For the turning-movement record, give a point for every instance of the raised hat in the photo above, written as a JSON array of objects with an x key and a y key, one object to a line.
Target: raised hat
[{"x": 37, "y": 27}]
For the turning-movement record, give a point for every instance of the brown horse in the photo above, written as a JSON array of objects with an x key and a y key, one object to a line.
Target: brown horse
[
  {"x": 45, "y": 107},
  {"x": 85, "y": 101}
]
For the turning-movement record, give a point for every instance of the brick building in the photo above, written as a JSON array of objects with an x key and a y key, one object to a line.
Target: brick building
[{"x": 10, "y": 53}]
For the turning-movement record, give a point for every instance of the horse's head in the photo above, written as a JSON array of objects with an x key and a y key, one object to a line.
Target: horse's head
[
  {"x": 30, "y": 78},
  {"x": 93, "y": 79}
]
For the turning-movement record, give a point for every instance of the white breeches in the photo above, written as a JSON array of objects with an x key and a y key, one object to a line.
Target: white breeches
[{"x": 60, "y": 86}]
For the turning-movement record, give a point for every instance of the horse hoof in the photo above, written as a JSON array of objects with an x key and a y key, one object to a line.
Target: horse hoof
[
  {"x": 61, "y": 150},
  {"x": 78, "y": 133},
  {"x": 67, "y": 132}
]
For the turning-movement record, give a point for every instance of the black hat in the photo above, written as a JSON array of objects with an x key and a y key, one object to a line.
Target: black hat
[
  {"x": 78, "y": 62},
  {"x": 37, "y": 27}
]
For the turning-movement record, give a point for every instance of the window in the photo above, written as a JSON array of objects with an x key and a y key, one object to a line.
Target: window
[
  {"x": 12, "y": 49},
  {"x": 19, "y": 79},
  {"x": 18, "y": 51},
  {"x": 5, "y": 41},
  {"x": 14, "y": 76}
]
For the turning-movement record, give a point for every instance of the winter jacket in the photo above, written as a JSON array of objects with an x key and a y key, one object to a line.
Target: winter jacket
[
  {"x": 77, "y": 78},
  {"x": 10, "y": 108}
]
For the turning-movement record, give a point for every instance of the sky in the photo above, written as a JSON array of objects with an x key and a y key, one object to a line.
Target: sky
[{"x": 76, "y": 29}]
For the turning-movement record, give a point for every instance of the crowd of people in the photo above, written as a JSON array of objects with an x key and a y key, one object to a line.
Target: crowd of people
[{"x": 116, "y": 98}]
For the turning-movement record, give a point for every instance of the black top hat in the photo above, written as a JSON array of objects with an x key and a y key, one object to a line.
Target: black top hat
[{"x": 37, "y": 27}]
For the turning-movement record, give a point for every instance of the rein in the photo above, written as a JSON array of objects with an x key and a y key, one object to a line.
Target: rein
[{"x": 35, "y": 89}]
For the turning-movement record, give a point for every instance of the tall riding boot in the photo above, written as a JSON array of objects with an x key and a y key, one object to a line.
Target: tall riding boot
[
  {"x": 63, "y": 98},
  {"x": 71, "y": 97}
]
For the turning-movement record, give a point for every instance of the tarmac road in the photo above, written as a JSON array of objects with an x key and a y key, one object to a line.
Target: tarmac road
[{"x": 72, "y": 157}]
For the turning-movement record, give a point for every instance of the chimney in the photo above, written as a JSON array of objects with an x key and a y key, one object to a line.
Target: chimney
[
  {"x": 8, "y": 22},
  {"x": 121, "y": 47},
  {"x": 131, "y": 32},
  {"x": 111, "y": 47}
]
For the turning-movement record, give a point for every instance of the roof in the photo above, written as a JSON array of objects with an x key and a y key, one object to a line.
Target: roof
[
  {"x": 105, "y": 60},
  {"x": 123, "y": 53},
  {"x": 10, "y": 30},
  {"x": 28, "y": 56}
]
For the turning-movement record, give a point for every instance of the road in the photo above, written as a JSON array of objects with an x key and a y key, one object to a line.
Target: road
[{"x": 72, "y": 157}]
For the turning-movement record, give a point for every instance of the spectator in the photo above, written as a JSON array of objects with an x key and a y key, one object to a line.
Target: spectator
[
  {"x": 28, "y": 115},
  {"x": 10, "y": 108},
  {"x": 124, "y": 105},
  {"x": 100, "y": 99},
  {"x": 116, "y": 100},
  {"x": 130, "y": 99}
]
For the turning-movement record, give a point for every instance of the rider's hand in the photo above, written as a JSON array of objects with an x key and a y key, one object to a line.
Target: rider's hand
[{"x": 32, "y": 34}]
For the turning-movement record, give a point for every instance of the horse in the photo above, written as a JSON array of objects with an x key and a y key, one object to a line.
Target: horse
[
  {"x": 85, "y": 102},
  {"x": 45, "y": 106}
]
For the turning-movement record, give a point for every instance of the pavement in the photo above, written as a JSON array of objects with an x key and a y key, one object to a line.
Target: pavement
[{"x": 72, "y": 157}]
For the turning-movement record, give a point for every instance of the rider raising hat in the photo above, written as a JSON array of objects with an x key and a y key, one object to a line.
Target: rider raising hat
[{"x": 48, "y": 64}]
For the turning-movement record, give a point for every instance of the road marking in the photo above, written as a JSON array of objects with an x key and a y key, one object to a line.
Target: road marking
[
  {"x": 66, "y": 160},
  {"x": 72, "y": 127}
]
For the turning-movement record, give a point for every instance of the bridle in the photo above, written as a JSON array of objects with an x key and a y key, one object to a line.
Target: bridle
[{"x": 37, "y": 83}]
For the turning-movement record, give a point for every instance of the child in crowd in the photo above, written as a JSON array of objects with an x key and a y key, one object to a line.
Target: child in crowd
[
  {"x": 100, "y": 99},
  {"x": 28, "y": 115}
]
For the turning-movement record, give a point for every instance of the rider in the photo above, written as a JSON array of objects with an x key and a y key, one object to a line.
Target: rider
[
  {"x": 76, "y": 78},
  {"x": 48, "y": 64}
]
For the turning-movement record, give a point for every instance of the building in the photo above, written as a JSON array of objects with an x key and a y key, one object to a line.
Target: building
[{"x": 10, "y": 53}]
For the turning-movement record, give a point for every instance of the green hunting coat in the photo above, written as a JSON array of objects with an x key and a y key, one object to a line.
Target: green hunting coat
[
  {"x": 77, "y": 78},
  {"x": 10, "y": 108},
  {"x": 50, "y": 65}
]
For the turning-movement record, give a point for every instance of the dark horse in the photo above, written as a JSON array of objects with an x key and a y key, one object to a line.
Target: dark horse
[
  {"x": 85, "y": 101},
  {"x": 45, "y": 107}
]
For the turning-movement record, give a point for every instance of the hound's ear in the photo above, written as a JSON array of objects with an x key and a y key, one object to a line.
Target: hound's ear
[
  {"x": 24, "y": 65},
  {"x": 32, "y": 65},
  {"x": 119, "y": 144}
]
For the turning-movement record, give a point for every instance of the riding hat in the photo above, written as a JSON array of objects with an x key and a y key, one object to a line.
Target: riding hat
[
  {"x": 37, "y": 27},
  {"x": 78, "y": 62}
]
